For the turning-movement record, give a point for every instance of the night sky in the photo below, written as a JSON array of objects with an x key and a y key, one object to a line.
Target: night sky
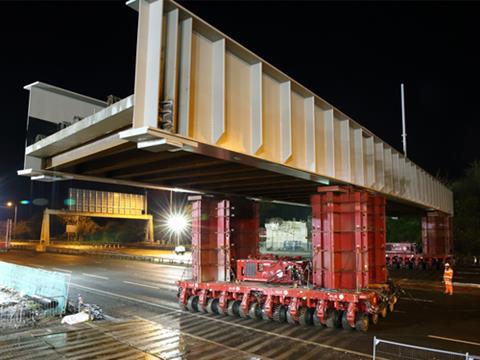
[{"x": 354, "y": 55}]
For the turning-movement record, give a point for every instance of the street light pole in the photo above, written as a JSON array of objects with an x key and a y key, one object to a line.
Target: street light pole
[
  {"x": 15, "y": 223},
  {"x": 10, "y": 204},
  {"x": 404, "y": 128}
]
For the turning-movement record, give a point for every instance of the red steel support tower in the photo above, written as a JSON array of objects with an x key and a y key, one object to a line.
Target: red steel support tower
[{"x": 437, "y": 236}]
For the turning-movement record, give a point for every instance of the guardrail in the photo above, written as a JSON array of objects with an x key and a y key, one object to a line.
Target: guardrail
[{"x": 399, "y": 351}]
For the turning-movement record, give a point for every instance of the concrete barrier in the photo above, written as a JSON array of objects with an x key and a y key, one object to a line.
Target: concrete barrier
[{"x": 113, "y": 255}]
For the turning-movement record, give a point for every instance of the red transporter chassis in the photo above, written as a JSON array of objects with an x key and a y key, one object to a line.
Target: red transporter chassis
[
  {"x": 322, "y": 307},
  {"x": 416, "y": 261}
]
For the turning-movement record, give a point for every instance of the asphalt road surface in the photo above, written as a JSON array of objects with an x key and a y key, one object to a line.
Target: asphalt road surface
[{"x": 144, "y": 295}]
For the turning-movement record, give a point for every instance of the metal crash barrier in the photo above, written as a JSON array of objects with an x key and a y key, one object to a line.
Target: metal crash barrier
[{"x": 384, "y": 349}]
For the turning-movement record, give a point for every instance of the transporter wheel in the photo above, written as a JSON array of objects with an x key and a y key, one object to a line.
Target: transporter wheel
[
  {"x": 230, "y": 308},
  {"x": 241, "y": 312},
  {"x": 202, "y": 308},
  {"x": 361, "y": 321},
  {"x": 235, "y": 308},
  {"x": 279, "y": 313},
  {"x": 290, "y": 318},
  {"x": 264, "y": 315},
  {"x": 255, "y": 311},
  {"x": 333, "y": 318},
  {"x": 383, "y": 311},
  {"x": 192, "y": 304},
  {"x": 305, "y": 316},
  {"x": 374, "y": 319},
  {"x": 212, "y": 306},
  {"x": 345, "y": 323},
  {"x": 316, "y": 320}
]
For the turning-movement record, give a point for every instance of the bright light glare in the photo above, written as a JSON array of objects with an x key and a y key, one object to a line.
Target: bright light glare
[
  {"x": 177, "y": 223},
  {"x": 9, "y": 204}
]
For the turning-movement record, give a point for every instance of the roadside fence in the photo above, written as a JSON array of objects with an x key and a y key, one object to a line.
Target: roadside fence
[
  {"x": 384, "y": 349},
  {"x": 28, "y": 311},
  {"x": 28, "y": 295}
]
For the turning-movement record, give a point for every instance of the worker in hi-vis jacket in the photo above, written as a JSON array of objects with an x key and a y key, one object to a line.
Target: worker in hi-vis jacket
[{"x": 448, "y": 279}]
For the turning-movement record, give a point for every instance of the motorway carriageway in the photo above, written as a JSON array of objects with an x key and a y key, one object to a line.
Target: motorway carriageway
[{"x": 146, "y": 293}]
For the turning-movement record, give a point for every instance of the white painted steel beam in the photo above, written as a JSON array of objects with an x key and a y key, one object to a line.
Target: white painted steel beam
[
  {"x": 309, "y": 113},
  {"x": 184, "y": 77},
  {"x": 170, "y": 67},
  {"x": 379, "y": 166},
  {"x": 285, "y": 122},
  {"x": 256, "y": 108},
  {"x": 358, "y": 157},
  {"x": 369, "y": 161},
  {"x": 218, "y": 92},
  {"x": 148, "y": 60}
]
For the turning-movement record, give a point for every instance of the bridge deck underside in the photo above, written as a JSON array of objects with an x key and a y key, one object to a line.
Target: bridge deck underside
[{"x": 197, "y": 172}]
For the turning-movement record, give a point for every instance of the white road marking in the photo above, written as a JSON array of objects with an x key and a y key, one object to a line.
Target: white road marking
[
  {"x": 455, "y": 340},
  {"x": 96, "y": 276},
  {"x": 466, "y": 284},
  {"x": 416, "y": 299},
  {"x": 64, "y": 270},
  {"x": 40, "y": 266},
  {"x": 144, "y": 285},
  {"x": 161, "y": 265},
  {"x": 336, "y": 348}
]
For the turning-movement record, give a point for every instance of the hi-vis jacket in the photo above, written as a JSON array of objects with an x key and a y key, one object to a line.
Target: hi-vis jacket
[{"x": 448, "y": 276}]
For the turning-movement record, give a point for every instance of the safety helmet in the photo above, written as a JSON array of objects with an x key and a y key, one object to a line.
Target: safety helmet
[{"x": 447, "y": 265}]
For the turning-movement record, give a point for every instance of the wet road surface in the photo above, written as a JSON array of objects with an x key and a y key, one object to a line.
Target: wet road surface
[{"x": 141, "y": 298}]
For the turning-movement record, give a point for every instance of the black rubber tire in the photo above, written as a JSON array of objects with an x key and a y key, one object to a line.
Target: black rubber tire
[
  {"x": 290, "y": 318},
  {"x": 192, "y": 304},
  {"x": 202, "y": 308},
  {"x": 345, "y": 323},
  {"x": 279, "y": 313},
  {"x": 230, "y": 306},
  {"x": 210, "y": 308},
  {"x": 255, "y": 311},
  {"x": 241, "y": 313},
  {"x": 305, "y": 316},
  {"x": 283, "y": 313},
  {"x": 236, "y": 307},
  {"x": 361, "y": 321},
  {"x": 216, "y": 308},
  {"x": 333, "y": 318},
  {"x": 316, "y": 320},
  {"x": 264, "y": 316},
  {"x": 374, "y": 318}
]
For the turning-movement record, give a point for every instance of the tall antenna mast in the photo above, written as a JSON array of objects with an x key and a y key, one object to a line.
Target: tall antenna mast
[{"x": 404, "y": 133}]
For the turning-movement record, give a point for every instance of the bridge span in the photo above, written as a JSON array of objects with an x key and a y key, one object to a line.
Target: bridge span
[{"x": 208, "y": 115}]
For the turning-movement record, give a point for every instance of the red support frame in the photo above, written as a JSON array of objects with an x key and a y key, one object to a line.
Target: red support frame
[
  {"x": 377, "y": 240},
  {"x": 437, "y": 235},
  {"x": 205, "y": 264},
  {"x": 348, "y": 238}
]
